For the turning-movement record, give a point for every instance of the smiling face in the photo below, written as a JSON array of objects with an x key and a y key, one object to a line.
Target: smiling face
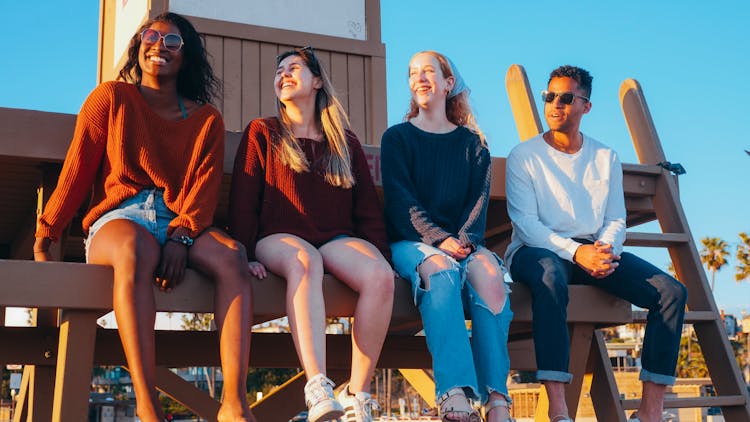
[
  {"x": 294, "y": 82},
  {"x": 565, "y": 117},
  {"x": 155, "y": 60},
  {"x": 428, "y": 85}
]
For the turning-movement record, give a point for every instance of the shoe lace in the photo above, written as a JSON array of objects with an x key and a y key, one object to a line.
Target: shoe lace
[{"x": 319, "y": 391}]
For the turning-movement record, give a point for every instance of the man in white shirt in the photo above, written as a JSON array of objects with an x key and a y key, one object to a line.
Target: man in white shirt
[{"x": 566, "y": 202}]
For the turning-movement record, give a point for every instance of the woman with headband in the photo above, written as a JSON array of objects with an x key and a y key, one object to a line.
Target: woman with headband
[{"x": 436, "y": 181}]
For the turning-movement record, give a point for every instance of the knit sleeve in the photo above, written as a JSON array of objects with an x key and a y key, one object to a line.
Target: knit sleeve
[
  {"x": 474, "y": 216},
  {"x": 203, "y": 181},
  {"x": 406, "y": 217},
  {"x": 248, "y": 182},
  {"x": 368, "y": 212},
  {"x": 82, "y": 162}
]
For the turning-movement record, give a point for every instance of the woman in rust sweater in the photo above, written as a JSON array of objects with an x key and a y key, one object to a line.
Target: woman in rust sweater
[
  {"x": 152, "y": 152},
  {"x": 303, "y": 202}
]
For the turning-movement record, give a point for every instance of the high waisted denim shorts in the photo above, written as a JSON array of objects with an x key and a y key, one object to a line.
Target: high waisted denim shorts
[{"x": 146, "y": 208}]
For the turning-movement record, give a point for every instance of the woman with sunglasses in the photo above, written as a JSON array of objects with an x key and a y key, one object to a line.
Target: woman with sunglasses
[
  {"x": 152, "y": 150},
  {"x": 303, "y": 203},
  {"x": 436, "y": 182}
]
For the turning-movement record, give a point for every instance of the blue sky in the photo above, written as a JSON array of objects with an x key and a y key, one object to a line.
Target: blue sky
[{"x": 690, "y": 59}]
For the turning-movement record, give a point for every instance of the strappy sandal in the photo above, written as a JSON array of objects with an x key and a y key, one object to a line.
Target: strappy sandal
[
  {"x": 561, "y": 418},
  {"x": 492, "y": 404},
  {"x": 465, "y": 414},
  {"x": 634, "y": 417}
]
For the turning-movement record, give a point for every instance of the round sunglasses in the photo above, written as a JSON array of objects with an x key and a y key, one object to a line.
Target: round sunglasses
[
  {"x": 170, "y": 41},
  {"x": 566, "y": 98}
]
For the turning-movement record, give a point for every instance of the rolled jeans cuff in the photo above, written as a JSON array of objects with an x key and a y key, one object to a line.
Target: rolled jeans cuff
[
  {"x": 656, "y": 378},
  {"x": 558, "y": 376}
]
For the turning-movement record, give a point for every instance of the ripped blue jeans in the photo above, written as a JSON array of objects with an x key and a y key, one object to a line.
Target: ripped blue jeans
[{"x": 479, "y": 364}]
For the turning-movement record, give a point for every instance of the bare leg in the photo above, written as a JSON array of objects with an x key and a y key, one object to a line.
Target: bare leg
[
  {"x": 224, "y": 260},
  {"x": 134, "y": 254},
  {"x": 652, "y": 402},
  {"x": 361, "y": 266},
  {"x": 556, "y": 396},
  {"x": 301, "y": 265}
]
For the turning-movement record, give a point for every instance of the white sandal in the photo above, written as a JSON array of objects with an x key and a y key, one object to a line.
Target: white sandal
[
  {"x": 492, "y": 404},
  {"x": 468, "y": 414},
  {"x": 561, "y": 418}
]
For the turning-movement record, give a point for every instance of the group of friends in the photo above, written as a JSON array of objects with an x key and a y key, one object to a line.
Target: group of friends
[{"x": 148, "y": 151}]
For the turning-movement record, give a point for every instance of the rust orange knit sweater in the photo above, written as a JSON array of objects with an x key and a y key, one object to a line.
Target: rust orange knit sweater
[{"x": 121, "y": 146}]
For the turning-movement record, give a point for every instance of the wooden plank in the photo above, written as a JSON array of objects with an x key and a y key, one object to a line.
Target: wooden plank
[
  {"x": 655, "y": 239},
  {"x": 267, "y": 62},
  {"x": 377, "y": 121},
  {"x": 604, "y": 393},
  {"x": 339, "y": 77},
  {"x": 22, "y": 399},
  {"x": 215, "y": 50},
  {"x": 691, "y": 317},
  {"x": 580, "y": 345},
  {"x": 41, "y": 393},
  {"x": 522, "y": 103},
  {"x": 423, "y": 382},
  {"x": 250, "y": 84},
  {"x": 75, "y": 358},
  {"x": 198, "y": 401},
  {"x": 356, "y": 89},
  {"x": 688, "y": 402},
  {"x": 232, "y": 111}
]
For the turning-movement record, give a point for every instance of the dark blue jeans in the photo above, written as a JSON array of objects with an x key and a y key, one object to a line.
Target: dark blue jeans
[{"x": 634, "y": 280}]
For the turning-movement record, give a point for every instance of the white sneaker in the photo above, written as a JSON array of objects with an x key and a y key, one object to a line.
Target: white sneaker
[
  {"x": 321, "y": 404},
  {"x": 357, "y": 407}
]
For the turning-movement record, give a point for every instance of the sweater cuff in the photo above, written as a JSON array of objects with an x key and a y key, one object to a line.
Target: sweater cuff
[{"x": 570, "y": 250}]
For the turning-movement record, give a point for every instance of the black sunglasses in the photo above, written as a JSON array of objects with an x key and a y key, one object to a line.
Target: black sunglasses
[
  {"x": 566, "y": 98},
  {"x": 171, "y": 41},
  {"x": 307, "y": 53}
]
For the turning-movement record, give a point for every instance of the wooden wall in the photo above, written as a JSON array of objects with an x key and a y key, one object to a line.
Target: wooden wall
[{"x": 244, "y": 58}]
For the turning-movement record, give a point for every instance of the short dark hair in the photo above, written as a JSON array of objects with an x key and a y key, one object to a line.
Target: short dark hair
[
  {"x": 582, "y": 76},
  {"x": 196, "y": 79}
]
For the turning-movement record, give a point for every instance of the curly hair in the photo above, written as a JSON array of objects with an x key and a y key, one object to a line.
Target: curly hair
[
  {"x": 583, "y": 77},
  {"x": 457, "y": 108},
  {"x": 196, "y": 80}
]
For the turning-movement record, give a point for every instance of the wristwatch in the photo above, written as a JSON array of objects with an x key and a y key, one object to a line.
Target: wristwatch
[{"x": 184, "y": 239}]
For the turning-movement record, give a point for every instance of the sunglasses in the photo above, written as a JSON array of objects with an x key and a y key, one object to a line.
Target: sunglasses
[
  {"x": 307, "y": 54},
  {"x": 566, "y": 98},
  {"x": 171, "y": 41}
]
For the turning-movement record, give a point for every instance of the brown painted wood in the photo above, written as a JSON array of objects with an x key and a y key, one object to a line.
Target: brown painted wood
[
  {"x": 215, "y": 50},
  {"x": 688, "y": 402},
  {"x": 250, "y": 83},
  {"x": 719, "y": 356},
  {"x": 232, "y": 78},
  {"x": 41, "y": 393},
  {"x": 356, "y": 89},
  {"x": 195, "y": 399},
  {"x": 604, "y": 392},
  {"x": 339, "y": 74},
  {"x": 21, "y": 411},
  {"x": 581, "y": 335},
  {"x": 267, "y": 60},
  {"x": 75, "y": 358}
]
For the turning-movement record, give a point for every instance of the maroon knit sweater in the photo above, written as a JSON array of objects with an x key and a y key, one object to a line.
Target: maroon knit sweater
[{"x": 268, "y": 197}]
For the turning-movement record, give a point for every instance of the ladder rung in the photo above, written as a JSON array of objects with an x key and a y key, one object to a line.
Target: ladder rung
[
  {"x": 691, "y": 317},
  {"x": 655, "y": 239},
  {"x": 686, "y": 402}
]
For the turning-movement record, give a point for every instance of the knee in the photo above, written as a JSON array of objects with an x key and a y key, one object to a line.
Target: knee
[
  {"x": 305, "y": 266},
  {"x": 380, "y": 282},
  {"x": 554, "y": 278},
  {"x": 132, "y": 256},
  {"x": 672, "y": 291},
  {"x": 229, "y": 258},
  {"x": 434, "y": 264}
]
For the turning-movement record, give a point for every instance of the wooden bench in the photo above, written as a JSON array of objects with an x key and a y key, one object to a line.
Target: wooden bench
[{"x": 82, "y": 293}]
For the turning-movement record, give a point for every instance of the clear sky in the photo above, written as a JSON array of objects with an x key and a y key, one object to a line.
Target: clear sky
[{"x": 690, "y": 58}]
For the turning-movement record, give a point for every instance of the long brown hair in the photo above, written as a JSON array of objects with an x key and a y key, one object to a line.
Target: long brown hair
[
  {"x": 330, "y": 118},
  {"x": 457, "y": 108}
]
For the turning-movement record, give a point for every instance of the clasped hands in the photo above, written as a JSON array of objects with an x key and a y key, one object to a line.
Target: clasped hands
[{"x": 598, "y": 259}]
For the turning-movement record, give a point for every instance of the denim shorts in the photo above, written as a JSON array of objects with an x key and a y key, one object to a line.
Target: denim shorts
[{"x": 146, "y": 208}]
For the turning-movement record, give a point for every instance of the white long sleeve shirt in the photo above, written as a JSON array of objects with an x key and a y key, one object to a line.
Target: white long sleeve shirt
[{"x": 554, "y": 197}]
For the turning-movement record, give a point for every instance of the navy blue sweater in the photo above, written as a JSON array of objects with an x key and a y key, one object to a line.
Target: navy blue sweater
[{"x": 435, "y": 185}]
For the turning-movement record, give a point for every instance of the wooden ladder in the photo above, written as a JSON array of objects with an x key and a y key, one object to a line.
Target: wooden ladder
[{"x": 664, "y": 205}]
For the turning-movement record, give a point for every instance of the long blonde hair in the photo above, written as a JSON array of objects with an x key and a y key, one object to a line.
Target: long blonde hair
[
  {"x": 457, "y": 108},
  {"x": 330, "y": 118}
]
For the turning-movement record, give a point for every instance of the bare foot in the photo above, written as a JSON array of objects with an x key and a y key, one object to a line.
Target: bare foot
[{"x": 234, "y": 414}]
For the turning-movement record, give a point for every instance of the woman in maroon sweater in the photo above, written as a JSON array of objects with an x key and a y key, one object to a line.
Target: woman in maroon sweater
[{"x": 303, "y": 202}]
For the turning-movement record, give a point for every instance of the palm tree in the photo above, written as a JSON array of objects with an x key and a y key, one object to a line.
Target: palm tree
[
  {"x": 743, "y": 258},
  {"x": 714, "y": 255}
]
